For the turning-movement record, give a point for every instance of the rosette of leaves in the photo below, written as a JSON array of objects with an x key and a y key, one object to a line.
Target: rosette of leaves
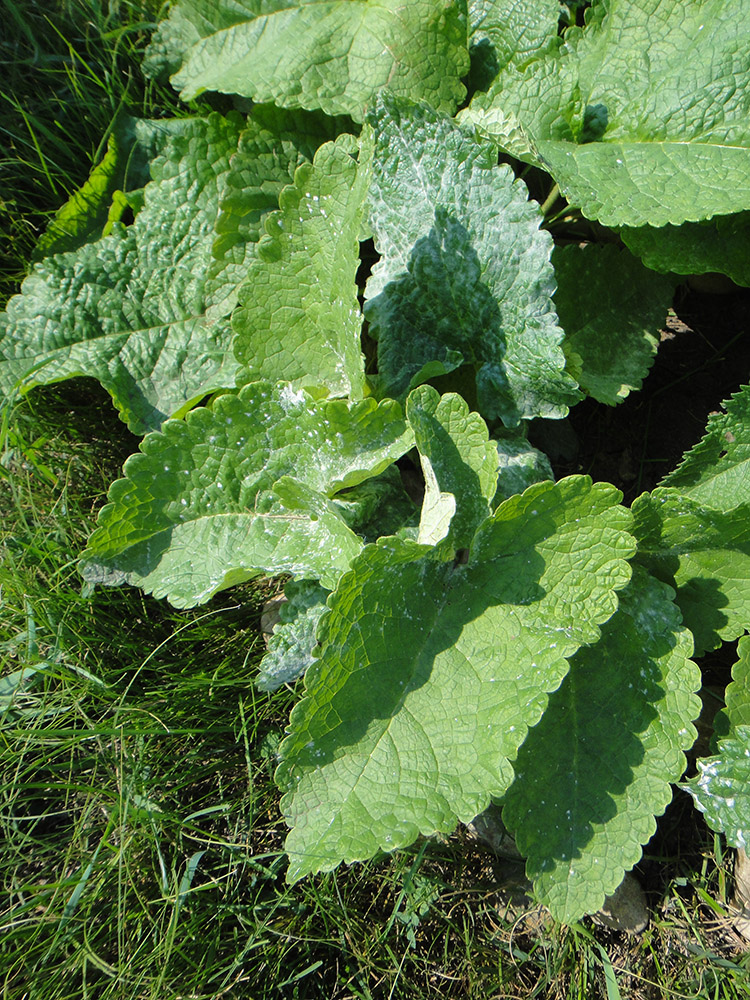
[{"x": 463, "y": 629}]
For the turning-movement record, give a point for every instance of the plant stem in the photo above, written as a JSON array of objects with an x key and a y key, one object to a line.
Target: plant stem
[{"x": 550, "y": 200}]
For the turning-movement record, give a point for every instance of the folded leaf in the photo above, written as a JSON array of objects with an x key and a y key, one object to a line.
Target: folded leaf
[
  {"x": 89, "y": 212},
  {"x": 133, "y": 309},
  {"x": 432, "y": 670},
  {"x": 611, "y": 308},
  {"x": 336, "y": 53},
  {"x": 271, "y": 147},
  {"x": 716, "y": 472},
  {"x": 454, "y": 446},
  {"x": 240, "y": 489},
  {"x": 721, "y": 788},
  {"x": 465, "y": 274},
  {"x": 379, "y": 506},
  {"x": 705, "y": 555},
  {"x": 638, "y": 116},
  {"x": 298, "y": 317},
  {"x": 595, "y": 772}
]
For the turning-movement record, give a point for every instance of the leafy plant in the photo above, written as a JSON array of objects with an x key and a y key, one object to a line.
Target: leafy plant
[{"x": 333, "y": 333}]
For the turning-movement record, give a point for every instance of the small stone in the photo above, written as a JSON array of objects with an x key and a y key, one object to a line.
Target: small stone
[
  {"x": 271, "y": 615},
  {"x": 488, "y": 827},
  {"x": 625, "y": 910},
  {"x": 742, "y": 894}
]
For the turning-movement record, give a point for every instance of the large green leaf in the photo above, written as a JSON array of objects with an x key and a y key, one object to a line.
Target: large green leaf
[
  {"x": 465, "y": 274},
  {"x": 240, "y": 489},
  {"x": 611, "y": 308},
  {"x": 90, "y": 212},
  {"x": 328, "y": 54},
  {"x": 298, "y": 317},
  {"x": 705, "y": 555},
  {"x": 716, "y": 472},
  {"x": 133, "y": 309},
  {"x": 721, "y": 244},
  {"x": 639, "y": 116},
  {"x": 431, "y": 671},
  {"x": 188, "y": 22},
  {"x": 721, "y": 789},
  {"x": 596, "y": 770}
]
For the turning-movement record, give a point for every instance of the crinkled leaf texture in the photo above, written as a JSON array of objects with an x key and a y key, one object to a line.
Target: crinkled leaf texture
[
  {"x": 290, "y": 648},
  {"x": 90, "y": 212},
  {"x": 639, "y": 116},
  {"x": 596, "y": 770},
  {"x": 328, "y": 54},
  {"x": 298, "y": 317},
  {"x": 611, "y": 308},
  {"x": 240, "y": 489},
  {"x": 133, "y": 309},
  {"x": 271, "y": 147},
  {"x": 705, "y": 555},
  {"x": 465, "y": 275},
  {"x": 716, "y": 472},
  {"x": 432, "y": 670},
  {"x": 505, "y": 32},
  {"x": 721, "y": 244},
  {"x": 721, "y": 789},
  {"x": 275, "y": 142}
]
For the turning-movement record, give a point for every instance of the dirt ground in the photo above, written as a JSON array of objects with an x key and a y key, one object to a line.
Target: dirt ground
[{"x": 704, "y": 357}]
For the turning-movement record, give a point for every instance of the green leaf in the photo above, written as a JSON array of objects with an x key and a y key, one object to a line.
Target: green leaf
[
  {"x": 431, "y": 671},
  {"x": 721, "y": 244},
  {"x": 465, "y": 274},
  {"x": 721, "y": 788},
  {"x": 88, "y": 213},
  {"x": 132, "y": 309},
  {"x": 291, "y": 645},
  {"x": 211, "y": 501},
  {"x": 456, "y": 452},
  {"x": 298, "y": 317},
  {"x": 377, "y": 507},
  {"x": 336, "y": 53},
  {"x": 611, "y": 308},
  {"x": 188, "y": 22},
  {"x": 505, "y": 32},
  {"x": 716, "y": 472},
  {"x": 736, "y": 711},
  {"x": 519, "y": 466},
  {"x": 705, "y": 555},
  {"x": 596, "y": 770},
  {"x": 270, "y": 149},
  {"x": 639, "y": 116}
]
